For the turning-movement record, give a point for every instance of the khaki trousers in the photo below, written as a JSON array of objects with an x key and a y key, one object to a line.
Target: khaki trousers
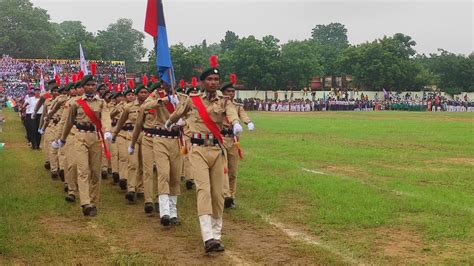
[
  {"x": 168, "y": 164},
  {"x": 88, "y": 152},
  {"x": 148, "y": 175},
  {"x": 70, "y": 170},
  {"x": 230, "y": 187},
  {"x": 105, "y": 162},
  {"x": 135, "y": 167},
  {"x": 52, "y": 152},
  {"x": 114, "y": 158},
  {"x": 208, "y": 165},
  {"x": 123, "y": 157}
]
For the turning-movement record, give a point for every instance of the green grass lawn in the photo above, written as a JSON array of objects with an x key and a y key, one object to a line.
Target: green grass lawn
[
  {"x": 387, "y": 176},
  {"x": 380, "y": 187}
]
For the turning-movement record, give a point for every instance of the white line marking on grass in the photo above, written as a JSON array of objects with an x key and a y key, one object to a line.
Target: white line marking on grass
[{"x": 312, "y": 171}]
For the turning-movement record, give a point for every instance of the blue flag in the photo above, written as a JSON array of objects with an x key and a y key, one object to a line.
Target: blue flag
[{"x": 155, "y": 25}]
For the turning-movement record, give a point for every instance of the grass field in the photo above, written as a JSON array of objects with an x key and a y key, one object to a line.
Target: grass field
[{"x": 315, "y": 188}]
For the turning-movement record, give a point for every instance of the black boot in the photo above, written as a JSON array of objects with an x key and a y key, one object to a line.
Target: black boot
[
  {"x": 165, "y": 220},
  {"x": 61, "y": 175},
  {"x": 228, "y": 202},
  {"x": 130, "y": 196},
  {"x": 211, "y": 245},
  {"x": 86, "y": 209},
  {"x": 47, "y": 165},
  {"x": 148, "y": 207},
  {"x": 189, "y": 184},
  {"x": 66, "y": 188},
  {"x": 115, "y": 177},
  {"x": 93, "y": 212},
  {"x": 54, "y": 175},
  {"x": 70, "y": 198},
  {"x": 123, "y": 184},
  {"x": 220, "y": 248}
]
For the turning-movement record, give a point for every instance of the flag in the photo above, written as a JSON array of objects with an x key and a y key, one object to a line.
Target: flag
[
  {"x": 155, "y": 26},
  {"x": 41, "y": 85},
  {"x": 83, "y": 61},
  {"x": 385, "y": 94}
]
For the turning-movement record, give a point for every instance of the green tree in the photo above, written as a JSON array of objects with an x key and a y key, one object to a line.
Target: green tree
[
  {"x": 333, "y": 34},
  {"x": 73, "y": 33},
  {"x": 330, "y": 41},
  {"x": 121, "y": 42},
  {"x": 25, "y": 31},
  {"x": 300, "y": 61},
  {"x": 230, "y": 41}
]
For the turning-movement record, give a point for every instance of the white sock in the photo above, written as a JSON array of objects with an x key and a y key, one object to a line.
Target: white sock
[
  {"x": 217, "y": 227},
  {"x": 206, "y": 227},
  {"x": 164, "y": 201},
  {"x": 173, "y": 206}
]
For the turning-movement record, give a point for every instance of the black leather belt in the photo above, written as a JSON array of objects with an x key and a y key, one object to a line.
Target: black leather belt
[
  {"x": 128, "y": 127},
  {"x": 227, "y": 132},
  {"x": 85, "y": 127}
]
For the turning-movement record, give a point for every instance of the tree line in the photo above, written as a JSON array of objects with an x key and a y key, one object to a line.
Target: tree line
[{"x": 390, "y": 62}]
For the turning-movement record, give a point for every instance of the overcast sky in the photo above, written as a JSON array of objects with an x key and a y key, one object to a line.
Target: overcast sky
[{"x": 432, "y": 24}]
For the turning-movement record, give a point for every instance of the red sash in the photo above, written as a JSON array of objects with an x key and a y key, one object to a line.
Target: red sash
[
  {"x": 168, "y": 105},
  {"x": 47, "y": 96},
  {"x": 206, "y": 119},
  {"x": 96, "y": 122}
]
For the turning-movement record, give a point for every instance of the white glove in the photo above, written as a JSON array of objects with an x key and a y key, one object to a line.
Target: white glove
[
  {"x": 108, "y": 136},
  {"x": 168, "y": 124},
  {"x": 237, "y": 129},
  {"x": 131, "y": 150},
  {"x": 57, "y": 144},
  {"x": 251, "y": 126},
  {"x": 180, "y": 122},
  {"x": 41, "y": 131},
  {"x": 33, "y": 116},
  {"x": 174, "y": 99}
]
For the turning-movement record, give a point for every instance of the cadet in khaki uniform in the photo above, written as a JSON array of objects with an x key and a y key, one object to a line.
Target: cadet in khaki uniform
[
  {"x": 50, "y": 133},
  {"x": 187, "y": 171},
  {"x": 145, "y": 129},
  {"x": 52, "y": 122},
  {"x": 207, "y": 157},
  {"x": 70, "y": 172},
  {"x": 106, "y": 95},
  {"x": 88, "y": 150},
  {"x": 166, "y": 151},
  {"x": 229, "y": 142},
  {"x": 118, "y": 102},
  {"x": 127, "y": 123},
  {"x": 121, "y": 138}
]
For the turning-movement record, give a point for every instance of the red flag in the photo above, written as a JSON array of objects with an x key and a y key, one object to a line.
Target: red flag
[{"x": 151, "y": 19}]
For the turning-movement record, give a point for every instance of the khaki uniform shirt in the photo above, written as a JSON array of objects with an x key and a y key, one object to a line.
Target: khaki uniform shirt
[
  {"x": 77, "y": 115},
  {"x": 218, "y": 109}
]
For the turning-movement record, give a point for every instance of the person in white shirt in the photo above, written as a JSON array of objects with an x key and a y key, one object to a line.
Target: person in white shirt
[{"x": 32, "y": 124}]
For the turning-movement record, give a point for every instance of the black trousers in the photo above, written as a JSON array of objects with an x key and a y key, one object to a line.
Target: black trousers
[{"x": 32, "y": 126}]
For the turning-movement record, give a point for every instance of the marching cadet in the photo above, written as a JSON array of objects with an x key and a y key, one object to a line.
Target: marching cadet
[
  {"x": 49, "y": 132},
  {"x": 231, "y": 142},
  {"x": 145, "y": 128},
  {"x": 121, "y": 138},
  {"x": 105, "y": 95},
  {"x": 52, "y": 123},
  {"x": 207, "y": 156},
  {"x": 87, "y": 114},
  {"x": 118, "y": 102},
  {"x": 127, "y": 123},
  {"x": 167, "y": 157}
]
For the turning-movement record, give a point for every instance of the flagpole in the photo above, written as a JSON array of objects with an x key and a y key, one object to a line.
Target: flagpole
[{"x": 171, "y": 81}]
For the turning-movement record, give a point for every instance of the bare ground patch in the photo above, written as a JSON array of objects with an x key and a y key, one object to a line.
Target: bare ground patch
[{"x": 400, "y": 245}]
